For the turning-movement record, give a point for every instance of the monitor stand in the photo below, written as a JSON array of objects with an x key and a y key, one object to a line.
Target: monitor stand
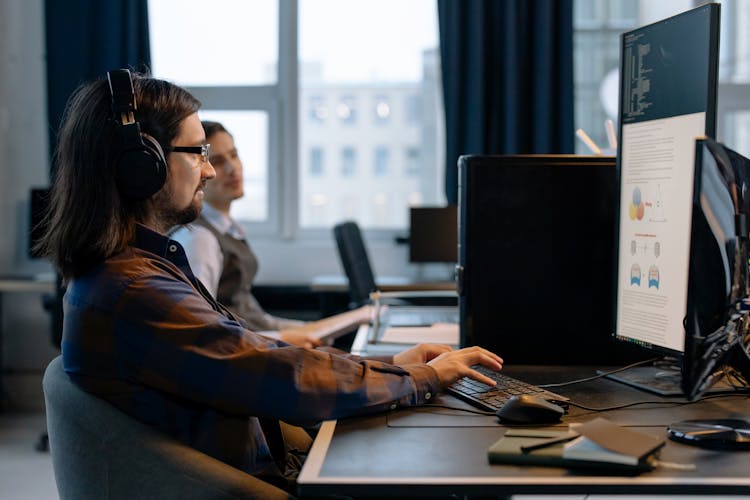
[{"x": 663, "y": 378}]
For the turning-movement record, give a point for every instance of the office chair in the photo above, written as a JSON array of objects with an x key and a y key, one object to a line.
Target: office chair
[
  {"x": 100, "y": 452},
  {"x": 53, "y": 304},
  {"x": 362, "y": 286},
  {"x": 356, "y": 262}
]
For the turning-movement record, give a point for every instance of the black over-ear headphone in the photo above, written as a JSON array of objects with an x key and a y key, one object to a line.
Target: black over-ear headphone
[{"x": 140, "y": 164}]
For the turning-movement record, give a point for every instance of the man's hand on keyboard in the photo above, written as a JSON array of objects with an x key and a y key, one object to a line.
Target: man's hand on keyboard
[
  {"x": 420, "y": 353},
  {"x": 453, "y": 365}
]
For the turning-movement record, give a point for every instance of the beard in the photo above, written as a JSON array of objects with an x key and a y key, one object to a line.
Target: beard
[{"x": 168, "y": 215}]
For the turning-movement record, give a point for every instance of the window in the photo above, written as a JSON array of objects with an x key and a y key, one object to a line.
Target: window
[
  {"x": 382, "y": 158},
  {"x": 179, "y": 30},
  {"x": 598, "y": 25},
  {"x": 381, "y": 110},
  {"x": 318, "y": 109},
  {"x": 411, "y": 106},
  {"x": 348, "y": 162},
  {"x": 377, "y": 61},
  {"x": 336, "y": 75},
  {"x": 250, "y": 132},
  {"x": 412, "y": 162},
  {"x": 346, "y": 110},
  {"x": 316, "y": 162},
  {"x": 244, "y": 97}
]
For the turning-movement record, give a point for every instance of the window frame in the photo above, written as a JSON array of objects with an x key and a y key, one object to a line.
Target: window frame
[{"x": 280, "y": 102}]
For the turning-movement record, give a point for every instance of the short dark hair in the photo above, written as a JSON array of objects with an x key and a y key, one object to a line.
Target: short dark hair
[
  {"x": 89, "y": 220},
  {"x": 210, "y": 128}
]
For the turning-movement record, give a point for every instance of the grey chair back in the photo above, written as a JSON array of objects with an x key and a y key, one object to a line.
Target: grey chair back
[{"x": 99, "y": 452}]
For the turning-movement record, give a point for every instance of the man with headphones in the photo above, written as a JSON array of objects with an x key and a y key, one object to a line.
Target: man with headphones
[{"x": 141, "y": 332}]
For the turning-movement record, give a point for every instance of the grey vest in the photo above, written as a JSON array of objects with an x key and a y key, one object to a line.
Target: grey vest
[{"x": 235, "y": 282}]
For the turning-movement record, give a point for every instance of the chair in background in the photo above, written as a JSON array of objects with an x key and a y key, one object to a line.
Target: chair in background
[
  {"x": 362, "y": 286},
  {"x": 100, "y": 452},
  {"x": 356, "y": 262}
]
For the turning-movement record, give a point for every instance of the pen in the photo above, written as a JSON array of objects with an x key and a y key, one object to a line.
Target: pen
[{"x": 548, "y": 442}]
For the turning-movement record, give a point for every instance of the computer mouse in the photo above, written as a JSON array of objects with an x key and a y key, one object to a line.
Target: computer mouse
[{"x": 528, "y": 409}]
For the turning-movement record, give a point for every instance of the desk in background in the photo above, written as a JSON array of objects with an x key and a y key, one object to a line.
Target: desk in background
[
  {"x": 432, "y": 451},
  {"x": 337, "y": 283},
  {"x": 20, "y": 284}
]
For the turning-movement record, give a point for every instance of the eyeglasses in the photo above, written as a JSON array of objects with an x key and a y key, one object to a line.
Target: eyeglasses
[{"x": 204, "y": 150}]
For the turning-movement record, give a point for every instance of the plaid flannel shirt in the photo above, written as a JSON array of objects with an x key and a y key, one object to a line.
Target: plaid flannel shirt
[{"x": 141, "y": 332}]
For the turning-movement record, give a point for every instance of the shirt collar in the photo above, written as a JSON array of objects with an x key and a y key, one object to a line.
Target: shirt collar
[
  {"x": 150, "y": 241},
  {"x": 223, "y": 223}
]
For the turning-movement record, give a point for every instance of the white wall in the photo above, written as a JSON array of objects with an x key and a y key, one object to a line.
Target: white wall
[{"x": 26, "y": 346}]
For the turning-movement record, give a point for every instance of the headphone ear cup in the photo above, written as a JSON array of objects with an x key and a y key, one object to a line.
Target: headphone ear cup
[{"x": 142, "y": 169}]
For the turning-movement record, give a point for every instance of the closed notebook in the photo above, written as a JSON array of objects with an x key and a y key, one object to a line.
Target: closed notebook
[
  {"x": 603, "y": 441},
  {"x": 598, "y": 444}
]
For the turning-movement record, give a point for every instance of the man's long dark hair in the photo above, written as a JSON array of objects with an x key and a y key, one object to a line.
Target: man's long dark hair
[{"x": 89, "y": 220}]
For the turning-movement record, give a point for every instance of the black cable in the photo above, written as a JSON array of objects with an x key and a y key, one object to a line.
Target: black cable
[
  {"x": 587, "y": 408},
  {"x": 673, "y": 403},
  {"x": 600, "y": 375}
]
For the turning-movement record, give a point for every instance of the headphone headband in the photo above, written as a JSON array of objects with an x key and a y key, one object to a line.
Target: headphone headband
[
  {"x": 123, "y": 96},
  {"x": 140, "y": 165}
]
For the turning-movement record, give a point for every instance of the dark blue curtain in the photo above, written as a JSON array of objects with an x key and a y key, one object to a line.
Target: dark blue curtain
[
  {"x": 85, "y": 39},
  {"x": 507, "y": 78}
]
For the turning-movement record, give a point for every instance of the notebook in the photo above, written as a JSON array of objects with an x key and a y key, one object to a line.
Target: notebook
[{"x": 598, "y": 444}]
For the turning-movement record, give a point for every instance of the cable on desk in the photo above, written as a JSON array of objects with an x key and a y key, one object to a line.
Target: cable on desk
[
  {"x": 600, "y": 375},
  {"x": 654, "y": 402}
]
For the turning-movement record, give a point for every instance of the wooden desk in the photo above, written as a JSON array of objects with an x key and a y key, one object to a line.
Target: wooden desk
[{"x": 431, "y": 451}]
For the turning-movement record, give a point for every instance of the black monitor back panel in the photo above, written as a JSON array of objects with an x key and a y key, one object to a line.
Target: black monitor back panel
[
  {"x": 433, "y": 234},
  {"x": 536, "y": 258}
]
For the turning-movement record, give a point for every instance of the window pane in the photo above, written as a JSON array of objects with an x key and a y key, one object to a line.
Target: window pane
[
  {"x": 598, "y": 25},
  {"x": 382, "y": 158},
  {"x": 317, "y": 167},
  {"x": 369, "y": 91},
  {"x": 348, "y": 162},
  {"x": 250, "y": 132},
  {"x": 596, "y": 45},
  {"x": 223, "y": 42}
]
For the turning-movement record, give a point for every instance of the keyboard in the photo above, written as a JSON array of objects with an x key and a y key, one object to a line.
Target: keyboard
[{"x": 490, "y": 398}]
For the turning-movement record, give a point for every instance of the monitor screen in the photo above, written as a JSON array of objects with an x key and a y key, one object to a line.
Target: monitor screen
[
  {"x": 668, "y": 78},
  {"x": 433, "y": 234},
  {"x": 536, "y": 238}
]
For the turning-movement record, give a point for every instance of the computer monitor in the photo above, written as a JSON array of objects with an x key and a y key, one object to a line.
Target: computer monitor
[
  {"x": 668, "y": 81},
  {"x": 433, "y": 234},
  {"x": 535, "y": 279},
  {"x": 717, "y": 321}
]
